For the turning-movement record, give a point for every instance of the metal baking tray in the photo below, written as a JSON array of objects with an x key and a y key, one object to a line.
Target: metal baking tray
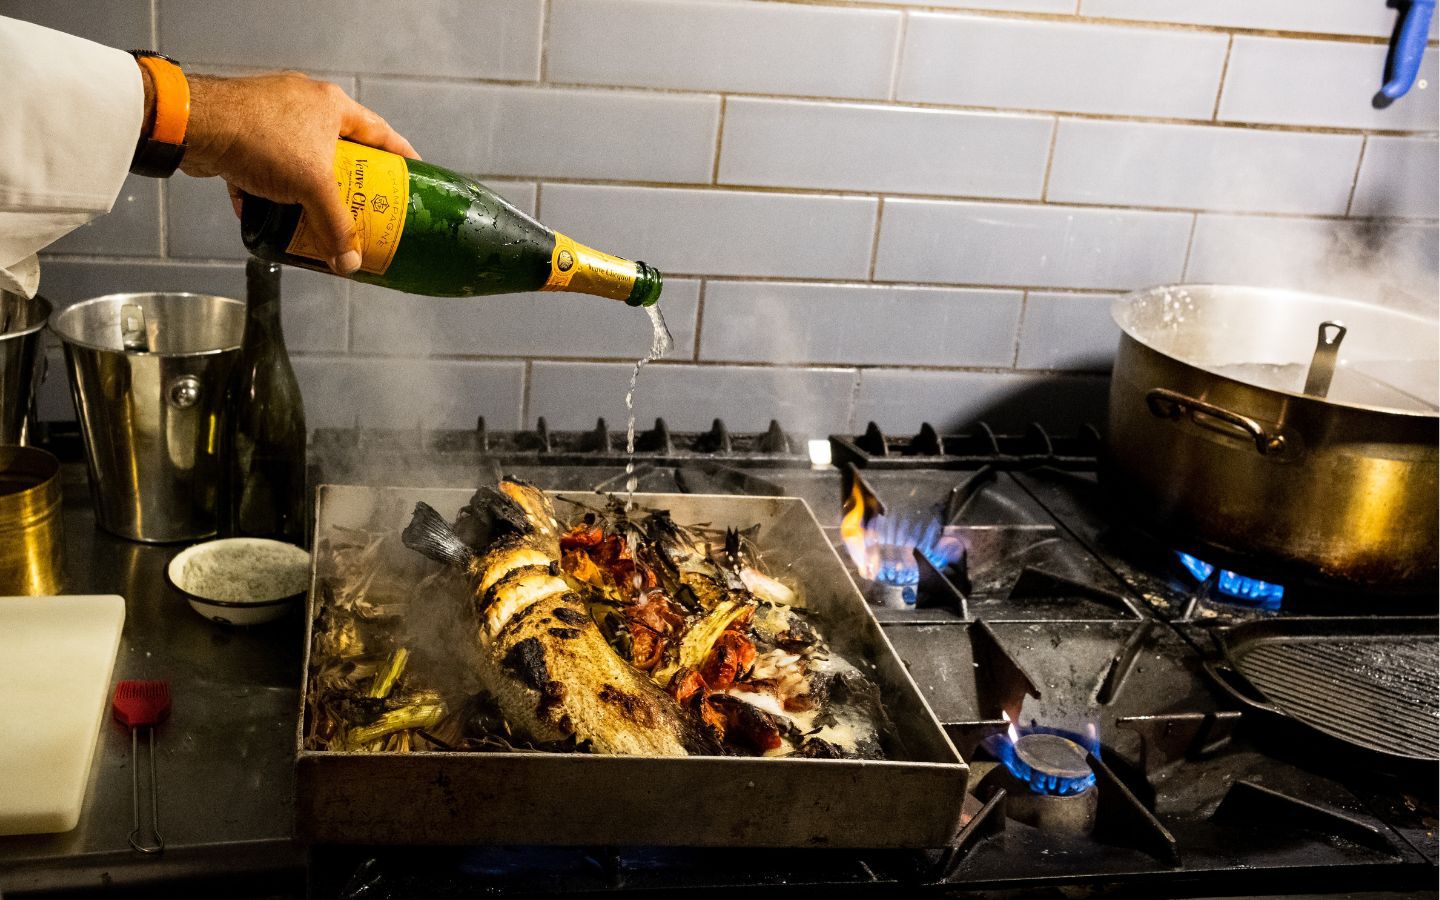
[
  {"x": 583, "y": 799},
  {"x": 1371, "y": 683}
]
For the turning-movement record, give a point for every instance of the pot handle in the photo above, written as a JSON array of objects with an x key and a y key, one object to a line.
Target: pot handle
[{"x": 1167, "y": 404}]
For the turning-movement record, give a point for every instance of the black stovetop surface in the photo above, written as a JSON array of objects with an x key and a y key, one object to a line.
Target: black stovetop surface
[{"x": 1062, "y": 617}]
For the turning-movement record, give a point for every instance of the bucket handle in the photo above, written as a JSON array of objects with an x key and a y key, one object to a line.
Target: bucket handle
[{"x": 1167, "y": 404}]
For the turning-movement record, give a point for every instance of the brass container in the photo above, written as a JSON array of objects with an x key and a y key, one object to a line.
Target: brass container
[{"x": 30, "y": 528}]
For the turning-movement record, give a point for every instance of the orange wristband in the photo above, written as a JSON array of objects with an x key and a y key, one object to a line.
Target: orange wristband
[{"x": 162, "y": 143}]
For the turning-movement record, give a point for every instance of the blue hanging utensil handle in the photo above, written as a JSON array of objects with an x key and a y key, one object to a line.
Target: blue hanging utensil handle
[{"x": 1409, "y": 48}]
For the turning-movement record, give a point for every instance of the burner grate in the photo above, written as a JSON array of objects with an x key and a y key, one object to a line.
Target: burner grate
[{"x": 929, "y": 449}]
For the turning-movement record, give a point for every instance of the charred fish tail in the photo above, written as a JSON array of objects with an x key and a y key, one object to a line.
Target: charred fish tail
[{"x": 429, "y": 534}]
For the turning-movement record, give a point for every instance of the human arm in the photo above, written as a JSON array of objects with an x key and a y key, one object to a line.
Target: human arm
[{"x": 74, "y": 111}]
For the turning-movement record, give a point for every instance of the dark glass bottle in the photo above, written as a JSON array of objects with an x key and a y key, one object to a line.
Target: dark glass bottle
[
  {"x": 427, "y": 230},
  {"x": 267, "y": 495}
]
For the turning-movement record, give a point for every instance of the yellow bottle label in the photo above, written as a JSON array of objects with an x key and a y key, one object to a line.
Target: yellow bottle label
[
  {"x": 375, "y": 186},
  {"x": 576, "y": 267}
]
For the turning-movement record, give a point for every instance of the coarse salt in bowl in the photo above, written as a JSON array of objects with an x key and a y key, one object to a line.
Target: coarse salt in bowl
[{"x": 241, "y": 581}]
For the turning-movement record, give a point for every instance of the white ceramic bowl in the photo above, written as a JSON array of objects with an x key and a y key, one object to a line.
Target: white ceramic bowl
[{"x": 241, "y": 581}]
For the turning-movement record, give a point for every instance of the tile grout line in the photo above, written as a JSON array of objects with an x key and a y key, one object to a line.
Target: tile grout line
[
  {"x": 162, "y": 218},
  {"x": 1189, "y": 247},
  {"x": 966, "y": 286},
  {"x": 719, "y": 140},
  {"x": 746, "y": 365},
  {"x": 1355, "y": 182},
  {"x": 544, "y": 41},
  {"x": 699, "y": 318},
  {"x": 349, "y": 318},
  {"x": 1020, "y": 328},
  {"x": 1000, "y": 111},
  {"x": 855, "y": 385},
  {"x": 873, "y": 194},
  {"x": 628, "y": 363},
  {"x": 1224, "y": 72},
  {"x": 1077, "y": 18},
  {"x": 875, "y": 240},
  {"x": 526, "y": 379},
  {"x": 897, "y": 60},
  {"x": 955, "y": 199},
  {"x": 1050, "y": 160}
]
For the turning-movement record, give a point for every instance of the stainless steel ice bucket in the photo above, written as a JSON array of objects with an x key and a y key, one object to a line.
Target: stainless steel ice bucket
[
  {"x": 148, "y": 373},
  {"x": 22, "y": 334}
]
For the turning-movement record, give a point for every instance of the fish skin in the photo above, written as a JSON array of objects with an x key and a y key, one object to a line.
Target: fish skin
[
  {"x": 551, "y": 671},
  {"x": 560, "y": 678}
]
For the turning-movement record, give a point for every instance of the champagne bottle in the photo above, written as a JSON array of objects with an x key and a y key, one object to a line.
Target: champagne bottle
[
  {"x": 426, "y": 230},
  {"x": 267, "y": 497}
]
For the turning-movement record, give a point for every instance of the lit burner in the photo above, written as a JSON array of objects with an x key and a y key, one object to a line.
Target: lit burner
[
  {"x": 1049, "y": 764},
  {"x": 890, "y": 546},
  {"x": 1251, "y": 590},
  {"x": 1047, "y": 760},
  {"x": 883, "y": 548},
  {"x": 1047, "y": 777}
]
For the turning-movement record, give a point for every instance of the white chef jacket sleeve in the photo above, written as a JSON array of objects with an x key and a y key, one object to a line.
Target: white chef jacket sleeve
[{"x": 70, "y": 114}]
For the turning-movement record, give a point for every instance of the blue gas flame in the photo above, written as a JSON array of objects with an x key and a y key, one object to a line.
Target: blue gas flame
[
  {"x": 1263, "y": 594},
  {"x": 890, "y": 542},
  {"x": 1002, "y": 747}
]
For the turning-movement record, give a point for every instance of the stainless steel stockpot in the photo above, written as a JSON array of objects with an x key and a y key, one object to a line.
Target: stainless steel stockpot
[
  {"x": 149, "y": 374},
  {"x": 1290, "y": 435}
]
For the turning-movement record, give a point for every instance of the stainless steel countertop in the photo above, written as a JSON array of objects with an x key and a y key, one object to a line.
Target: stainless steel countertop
[{"x": 225, "y": 756}]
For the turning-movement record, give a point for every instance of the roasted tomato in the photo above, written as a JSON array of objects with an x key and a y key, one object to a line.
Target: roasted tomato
[
  {"x": 732, "y": 656},
  {"x": 582, "y": 535}
]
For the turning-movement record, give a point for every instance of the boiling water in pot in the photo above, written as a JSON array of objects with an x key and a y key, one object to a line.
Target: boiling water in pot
[{"x": 1351, "y": 384}]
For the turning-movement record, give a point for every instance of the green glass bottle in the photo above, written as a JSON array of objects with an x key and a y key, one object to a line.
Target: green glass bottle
[
  {"x": 267, "y": 484},
  {"x": 426, "y": 230}
]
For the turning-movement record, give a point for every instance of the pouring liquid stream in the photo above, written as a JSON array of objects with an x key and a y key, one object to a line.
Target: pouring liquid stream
[{"x": 661, "y": 343}]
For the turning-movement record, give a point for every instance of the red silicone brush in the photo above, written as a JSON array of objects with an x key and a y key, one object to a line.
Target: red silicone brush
[{"x": 142, "y": 704}]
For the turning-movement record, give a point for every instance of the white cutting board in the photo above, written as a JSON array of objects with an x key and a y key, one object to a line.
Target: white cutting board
[{"x": 56, "y": 658}]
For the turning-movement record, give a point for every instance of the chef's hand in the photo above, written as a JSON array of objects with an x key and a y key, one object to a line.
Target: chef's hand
[{"x": 274, "y": 136}]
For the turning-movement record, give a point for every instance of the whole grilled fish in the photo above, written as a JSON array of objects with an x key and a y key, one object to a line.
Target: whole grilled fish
[{"x": 551, "y": 671}]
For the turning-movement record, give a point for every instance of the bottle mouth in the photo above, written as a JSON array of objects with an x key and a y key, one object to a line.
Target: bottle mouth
[{"x": 648, "y": 284}]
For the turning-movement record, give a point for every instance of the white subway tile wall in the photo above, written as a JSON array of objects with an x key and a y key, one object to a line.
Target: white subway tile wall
[
  {"x": 1045, "y": 246},
  {"x": 1025, "y": 64},
  {"x": 1203, "y": 167},
  {"x": 1319, "y": 16},
  {"x": 778, "y": 143},
  {"x": 717, "y": 232},
  {"x": 898, "y": 210},
  {"x": 503, "y": 130},
  {"x": 1398, "y": 177},
  {"x": 1287, "y": 81},
  {"x": 749, "y": 47}
]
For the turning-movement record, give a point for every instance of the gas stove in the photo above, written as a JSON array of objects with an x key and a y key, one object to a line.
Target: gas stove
[{"x": 1134, "y": 719}]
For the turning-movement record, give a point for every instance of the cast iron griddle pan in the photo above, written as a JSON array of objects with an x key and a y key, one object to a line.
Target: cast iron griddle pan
[{"x": 1372, "y": 683}]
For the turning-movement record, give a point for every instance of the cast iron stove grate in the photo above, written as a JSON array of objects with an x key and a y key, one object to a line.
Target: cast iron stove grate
[
  {"x": 980, "y": 446},
  {"x": 599, "y": 446}
]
